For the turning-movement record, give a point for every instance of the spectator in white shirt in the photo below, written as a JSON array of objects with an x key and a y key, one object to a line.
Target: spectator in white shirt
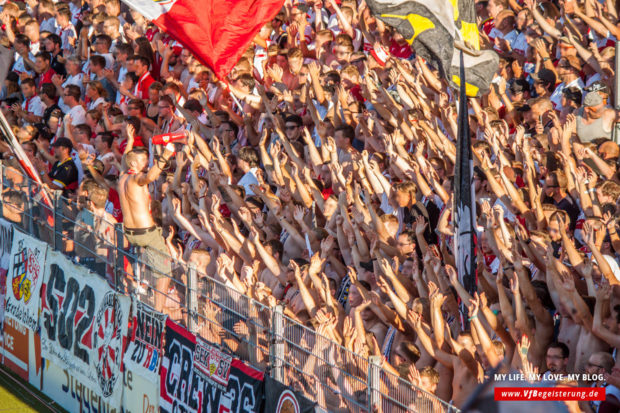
[
  {"x": 111, "y": 27},
  {"x": 47, "y": 11},
  {"x": 71, "y": 98},
  {"x": 247, "y": 162},
  {"x": 505, "y": 33},
  {"x": 103, "y": 42},
  {"x": 66, "y": 30},
  {"x": 74, "y": 77},
  {"x": 96, "y": 94},
  {"x": 31, "y": 111},
  {"x": 524, "y": 19},
  {"x": 31, "y": 30},
  {"x": 24, "y": 59},
  {"x": 568, "y": 70}
]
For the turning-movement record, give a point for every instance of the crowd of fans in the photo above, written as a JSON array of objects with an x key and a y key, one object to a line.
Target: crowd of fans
[{"x": 319, "y": 175}]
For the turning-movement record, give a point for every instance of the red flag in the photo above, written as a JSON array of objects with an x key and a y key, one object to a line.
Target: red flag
[{"x": 217, "y": 32}]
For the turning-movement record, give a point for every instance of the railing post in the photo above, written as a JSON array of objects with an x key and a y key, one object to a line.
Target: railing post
[
  {"x": 192, "y": 297},
  {"x": 30, "y": 222},
  {"x": 276, "y": 350},
  {"x": 374, "y": 381},
  {"x": 57, "y": 221},
  {"x": 119, "y": 260}
]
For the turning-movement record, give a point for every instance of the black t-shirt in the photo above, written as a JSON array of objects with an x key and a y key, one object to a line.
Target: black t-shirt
[
  {"x": 58, "y": 67},
  {"x": 65, "y": 175},
  {"x": 48, "y": 112},
  {"x": 567, "y": 204},
  {"x": 430, "y": 212}
]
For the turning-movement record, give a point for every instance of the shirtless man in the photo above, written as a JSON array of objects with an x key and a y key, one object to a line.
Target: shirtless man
[
  {"x": 468, "y": 371},
  {"x": 140, "y": 228}
]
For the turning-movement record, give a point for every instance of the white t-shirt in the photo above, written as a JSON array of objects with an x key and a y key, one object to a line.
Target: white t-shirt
[
  {"x": 66, "y": 35},
  {"x": 520, "y": 44},
  {"x": 20, "y": 66},
  {"x": 95, "y": 103},
  {"x": 71, "y": 80},
  {"x": 556, "y": 96},
  {"x": 33, "y": 105},
  {"x": 48, "y": 25},
  {"x": 248, "y": 179},
  {"x": 78, "y": 115}
]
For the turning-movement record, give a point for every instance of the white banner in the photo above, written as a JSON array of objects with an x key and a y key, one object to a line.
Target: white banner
[
  {"x": 24, "y": 279},
  {"x": 83, "y": 322},
  {"x": 139, "y": 394},
  {"x": 70, "y": 392},
  {"x": 144, "y": 352}
]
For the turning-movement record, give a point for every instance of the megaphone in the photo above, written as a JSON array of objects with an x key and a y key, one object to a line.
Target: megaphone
[{"x": 166, "y": 138}]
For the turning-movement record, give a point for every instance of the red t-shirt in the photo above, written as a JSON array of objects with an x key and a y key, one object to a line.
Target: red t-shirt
[
  {"x": 143, "y": 85},
  {"x": 137, "y": 141},
  {"x": 402, "y": 51},
  {"x": 46, "y": 77},
  {"x": 113, "y": 205}
]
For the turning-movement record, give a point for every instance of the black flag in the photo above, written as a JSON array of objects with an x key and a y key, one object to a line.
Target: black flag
[
  {"x": 432, "y": 27},
  {"x": 464, "y": 204}
]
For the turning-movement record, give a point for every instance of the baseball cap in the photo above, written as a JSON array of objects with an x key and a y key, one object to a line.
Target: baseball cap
[
  {"x": 592, "y": 99},
  {"x": 598, "y": 86},
  {"x": 66, "y": 142},
  {"x": 544, "y": 75}
]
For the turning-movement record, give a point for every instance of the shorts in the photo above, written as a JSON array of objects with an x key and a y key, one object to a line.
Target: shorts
[{"x": 155, "y": 255}]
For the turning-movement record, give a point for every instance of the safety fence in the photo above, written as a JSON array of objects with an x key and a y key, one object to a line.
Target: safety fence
[{"x": 206, "y": 308}]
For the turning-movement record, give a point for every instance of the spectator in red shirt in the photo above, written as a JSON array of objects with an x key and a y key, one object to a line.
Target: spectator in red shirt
[
  {"x": 141, "y": 68},
  {"x": 43, "y": 68}
]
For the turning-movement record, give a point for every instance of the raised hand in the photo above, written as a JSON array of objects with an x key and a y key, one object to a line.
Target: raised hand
[
  {"x": 326, "y": 245},
  {"x": 524, "y": 346},
  {"x": 452, "y": 275},
  {"x": 413, "y": 375},
  {"x": 275, "y": 72},
  {"x": 414, "y": 318},
  {"x": 420, "y": 225},
  {"x": 473, "y": 306},
  {"x": 298, "y": 213},
  {"x": 514, "y": 284},
  {"x": 245, "y": 214}
]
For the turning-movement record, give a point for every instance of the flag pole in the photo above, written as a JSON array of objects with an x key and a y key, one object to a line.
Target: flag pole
[{"x": 464, "y": 207}]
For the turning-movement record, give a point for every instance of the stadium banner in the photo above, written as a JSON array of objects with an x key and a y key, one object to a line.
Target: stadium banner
[
  {"x": 197, "y": 377},
  {"x": 24, "y": 279},
  {"x": 6, "y": 240},
  {"x": 83, "y": 323},
  {"x": 176, "y": 371},
  {"x": 71, "y": 392},
  {"x": 281, "y": 399},
  {"x": 144, "y": 352},
  {"x": 139, "y": 394},
  {"x": 15, "y": 347}
]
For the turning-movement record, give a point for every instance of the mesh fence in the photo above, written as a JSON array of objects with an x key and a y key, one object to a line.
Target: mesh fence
[{"x": 324, "y": 371}]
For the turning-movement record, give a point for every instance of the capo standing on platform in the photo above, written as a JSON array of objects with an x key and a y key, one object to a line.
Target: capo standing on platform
[{"x": 140, "y": 228}]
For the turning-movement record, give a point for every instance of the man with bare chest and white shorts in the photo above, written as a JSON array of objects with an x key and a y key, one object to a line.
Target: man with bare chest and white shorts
[{"x": 140, "y": 228}]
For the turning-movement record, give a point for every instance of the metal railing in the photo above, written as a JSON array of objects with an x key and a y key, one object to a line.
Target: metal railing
[{"x": 263, "y": 336}]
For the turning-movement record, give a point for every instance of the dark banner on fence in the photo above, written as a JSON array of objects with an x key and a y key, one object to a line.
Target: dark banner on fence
[
  {"x": 282, "y": 399},
  {"x": 197, "y": 377}
]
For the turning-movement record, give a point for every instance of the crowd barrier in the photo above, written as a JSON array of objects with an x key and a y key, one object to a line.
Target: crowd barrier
[{"x": 78, "y": 323}]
